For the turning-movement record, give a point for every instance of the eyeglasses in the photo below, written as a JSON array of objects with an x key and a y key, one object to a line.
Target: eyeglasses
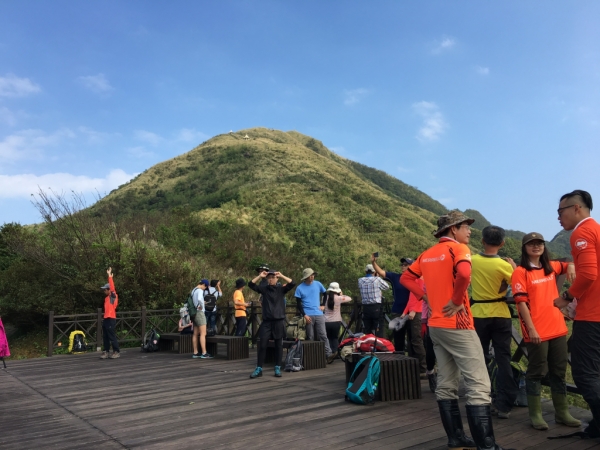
[
  {"x": 404, "y": 265},
  {"x": 465, "y": 225},
  {"x": 560, "y": 210},
  {"x": 535, "y": 244}
]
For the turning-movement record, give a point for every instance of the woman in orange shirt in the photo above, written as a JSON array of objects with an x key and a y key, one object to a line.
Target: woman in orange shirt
[{"x": 543, "y": 328}]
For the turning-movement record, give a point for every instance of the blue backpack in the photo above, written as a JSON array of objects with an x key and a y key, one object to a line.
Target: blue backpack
[{"x": 363, "y": 381}]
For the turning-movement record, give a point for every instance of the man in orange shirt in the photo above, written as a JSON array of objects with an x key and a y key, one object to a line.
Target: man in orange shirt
[
  {"x": 109, "y": 323},
  {"x": 574, "y": 214},
  {"x": 446, "y": 270}
]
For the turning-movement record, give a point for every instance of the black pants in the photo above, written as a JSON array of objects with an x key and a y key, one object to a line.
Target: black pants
[
  {"x": 333, "y": 334},
  {"x": 240, "y": 326},
  {"x": 399, "y": 338},
  {"x": 585, "y": 363},
  {"x": 416, "y": 349},
  {"x": 498, "y": 332},
  {"x": 109, "y": 334},
  {"x": 275, "y": 330},
  {"x": 373, "y": 319},
  {"x": 429, "y": 352}
]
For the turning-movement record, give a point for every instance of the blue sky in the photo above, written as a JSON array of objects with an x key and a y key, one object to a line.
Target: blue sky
[{"x": 487, "y": 105}]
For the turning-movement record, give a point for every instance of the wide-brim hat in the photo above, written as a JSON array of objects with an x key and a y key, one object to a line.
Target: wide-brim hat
[
  {"x": 532, "y": 237},
  {"x": 334, "y": 287},
  {"x": 449, "y": 220},
  {"x": 240, "y": 282},
  {"x": 307, "y": 273}
]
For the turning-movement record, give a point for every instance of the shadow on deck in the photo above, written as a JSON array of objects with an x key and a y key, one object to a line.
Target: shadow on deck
[{"x": 166, "y": 400}]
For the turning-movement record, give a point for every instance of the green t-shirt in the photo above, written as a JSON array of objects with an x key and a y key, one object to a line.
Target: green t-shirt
[{"x": 490, "y": 278}]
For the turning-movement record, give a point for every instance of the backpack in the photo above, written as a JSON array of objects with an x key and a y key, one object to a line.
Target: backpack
[
  {"x": 294, "y": 358},
  {"x": 189, "y": 303},
  {"x": 363, "y": 381},
  {"x": 210, "y": 301},
  {"x": 77, "y": 342},
  {"x": 371, "y": 343},
  {"x": 346, "y": 347},
  {"x": 185, "y": 315},
  {"x": 296, "y": 329},
  {"x": 151, "y": 341}
]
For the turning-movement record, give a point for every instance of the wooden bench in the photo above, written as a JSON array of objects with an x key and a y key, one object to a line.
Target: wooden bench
[
  {"x": 398, "y": 379},
  {"x": 236, "y": 346},
  {"x": 313, "y": 352},
  {"x": 182, "y": 343}
]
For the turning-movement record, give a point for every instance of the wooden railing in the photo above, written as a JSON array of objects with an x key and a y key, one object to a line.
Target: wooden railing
[{"x": 131, "y": 326}]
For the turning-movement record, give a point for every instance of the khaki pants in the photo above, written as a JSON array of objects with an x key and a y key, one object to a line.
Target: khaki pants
[{"x": 459, "y": 351}]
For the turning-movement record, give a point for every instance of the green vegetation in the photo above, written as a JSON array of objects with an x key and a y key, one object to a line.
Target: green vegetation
[{"x": 217, "y": 212}]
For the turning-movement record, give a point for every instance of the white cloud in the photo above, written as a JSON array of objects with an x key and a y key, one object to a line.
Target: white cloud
[
  {"x": 445, "y": 44},
  {"x": 148, "y": 137},
  {"x": 434, "y": 124},
  {"x": 96, "y": 83},
  {"x": 483, "y": 70},
  {"x": 139, "y": 152},
  {"x": 353, "y": 96},
  {"x": 7, "y": 117},
  {"x": 13, "y": 86},
  {"x": 22, "y": 186},
  {"x": 190, "y": 135},
  {"x": 93, "y": 136},
  {"x": 30, "y": 143}
]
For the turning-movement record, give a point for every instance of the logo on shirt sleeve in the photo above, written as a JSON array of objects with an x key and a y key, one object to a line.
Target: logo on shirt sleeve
[
  {"x": 468, "y": 256},
  {"x": 518, "y": 287},
  {"x": 580, "y": 244}
]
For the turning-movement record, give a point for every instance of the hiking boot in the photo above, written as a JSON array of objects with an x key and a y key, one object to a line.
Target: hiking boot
[
  {"x": 196, "y": 355},
  {"x": 432, "y": 377},
  {"x": 561, "y": 411},
  {"x": 332, "y": 357},
  {"x": 452, "y": 422},
  {"x": 206, "y": 356},
  {"x": 104, "y": 355},
  {"x": 115, "y": 355},
  {"x": 278, "y": 371},
  {"x": 258, "y": 373}
]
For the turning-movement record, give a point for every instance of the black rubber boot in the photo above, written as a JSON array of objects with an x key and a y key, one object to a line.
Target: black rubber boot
[
  {"x": 480, "y": 424},
  {"x": 452, "y": 422}
]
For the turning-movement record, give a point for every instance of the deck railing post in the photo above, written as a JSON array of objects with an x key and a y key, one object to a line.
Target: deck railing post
[
  {"x": 254, "y": 322},
  {"x": 143, "y": 313},
  {"x": 50, "y": 333},
  {"x": 99, "y": 329},
  {"x": 228, "y": 317}
]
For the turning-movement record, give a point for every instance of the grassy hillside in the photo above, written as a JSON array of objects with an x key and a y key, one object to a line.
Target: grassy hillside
[{"x": 217, "y": 212}]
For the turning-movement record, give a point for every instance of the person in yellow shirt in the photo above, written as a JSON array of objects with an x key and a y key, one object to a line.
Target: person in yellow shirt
[
  {"x": 490, "y": 278},
  {"x": 240, "y": 307}
]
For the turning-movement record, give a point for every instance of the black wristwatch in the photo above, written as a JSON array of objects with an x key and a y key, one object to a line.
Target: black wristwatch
[{"x": 568, "y": 297}]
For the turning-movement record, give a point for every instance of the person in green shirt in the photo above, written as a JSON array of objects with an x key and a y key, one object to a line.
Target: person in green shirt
[{"x": 490, "y": 278}]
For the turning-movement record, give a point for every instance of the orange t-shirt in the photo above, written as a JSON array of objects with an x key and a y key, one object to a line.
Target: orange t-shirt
[
  {"x": 585, "y": 249},
  {"x": 539, "y": 290},
  {"x": 437, "y": 266},
  {"x": 239, "y": 303},
  {"x": 111, "y": 301}
]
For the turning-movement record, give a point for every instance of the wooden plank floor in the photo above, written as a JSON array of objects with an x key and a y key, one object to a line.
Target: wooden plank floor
[{"x": 171, "y": 401}]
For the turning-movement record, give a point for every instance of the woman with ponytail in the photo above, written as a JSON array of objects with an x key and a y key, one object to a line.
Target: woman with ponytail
[{"x": 333, "y": 318}]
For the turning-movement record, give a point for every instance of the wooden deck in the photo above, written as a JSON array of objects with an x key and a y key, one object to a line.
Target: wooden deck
[{"x": 171, "y": 401}]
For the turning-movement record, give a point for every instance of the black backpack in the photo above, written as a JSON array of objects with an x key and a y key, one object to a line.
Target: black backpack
[
  {"x": 210, "y": 301},
  {"x": 151, "y": 341},
  {"x": 294, "y": 358},
  {"x": 79, "y": 345}
]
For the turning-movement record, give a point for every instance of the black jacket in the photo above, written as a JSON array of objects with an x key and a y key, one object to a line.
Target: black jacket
[{"x": 273, "y": 299}]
